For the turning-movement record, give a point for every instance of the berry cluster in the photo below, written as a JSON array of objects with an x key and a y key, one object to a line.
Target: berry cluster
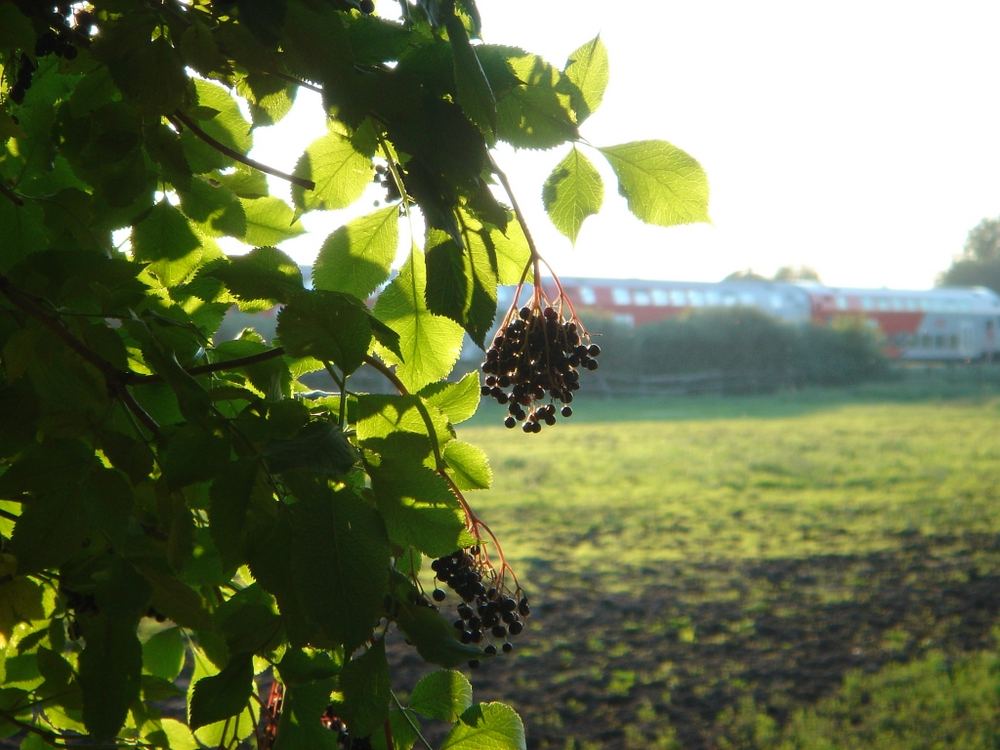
[
  {"x": 384, "y": 178},
  {"x": 56, "y": 40},
  {"x": 485, "y": 613},
  {"x": 537, "y": 354}
]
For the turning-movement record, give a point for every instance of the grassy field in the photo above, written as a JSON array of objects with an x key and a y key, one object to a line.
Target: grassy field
[{"x": 749, "y": 572}]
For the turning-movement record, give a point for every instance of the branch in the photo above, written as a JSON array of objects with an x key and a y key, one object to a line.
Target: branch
[
  {"x": 10, "y": 195},
  {"x": 229, "y": 364},
  {"x": 179, "y": 116},
  {"x": 409, "y": 720}
]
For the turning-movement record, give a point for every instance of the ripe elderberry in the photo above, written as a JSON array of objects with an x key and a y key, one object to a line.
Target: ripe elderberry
[
  {"x": 485, "y": 612},
  {"x": 534, "y": 360}
]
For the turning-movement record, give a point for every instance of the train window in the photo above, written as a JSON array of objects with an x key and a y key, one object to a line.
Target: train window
[
  {"x": 660, "y": 297},
  {"x": 678, "y": 298},
  {"x": 841, "y": 302},
  {"x": 867, "y": 303},
  {"x": 641, "y": 298},
  {"x": 620, "y": 296},
  {"x": 912, "y": 304},
  {"x": 953, "y": 341},
  {"x": 729, "y": 299},
  {"x": 884, "y": 303},
  {"x": 587, "y": 296},
  {"x": 777, "y": 301},
  {"x": 898, "y": 303},
  {"x": 628, "y": 320},
  {"x": 747, "y": 299},
  {"x": 712, "y": 298},
  {"x": 925, "y": 341},
  {"x": 939, "y": 341},
  {"x": 697, "y": 298}
]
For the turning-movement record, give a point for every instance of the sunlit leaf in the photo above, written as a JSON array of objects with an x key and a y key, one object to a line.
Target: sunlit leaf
[{"x": 572, "y": 192}]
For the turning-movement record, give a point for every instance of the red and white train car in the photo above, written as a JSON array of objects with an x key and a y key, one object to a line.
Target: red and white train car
[{"x": 935, "y": 324}]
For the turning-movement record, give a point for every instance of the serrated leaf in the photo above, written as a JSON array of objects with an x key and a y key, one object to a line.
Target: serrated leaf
[
  {"x": 475, "y": 96},
  {"x": 24, "y": 232},
  {"x": 572, "y": 192},
  {"x": 535, "y": 112},
  {"x": 215, "y": 207},
  {"x": 386, "y": 416},
  {"x": 264, "y": 275},
  {"x": 249, "y": 621},
  {"x": 229, "y": 499},
  {"x": 487, "y": 726},
  {"x": 110, "y": 665},
  {"x": 269, "y": 221},
  {"x": 319, "y": 448},
  {"x": 16, "y": 31},
  {"x": 164, "y": 653},
  {"x": 217, "y": 697},
  {"x": 418, "y": 508},
  {"x": 506, "y": 248},
  {"x": 165, "y": 240},
  {"x": 429, "y": 343},
  {"x": 662, "y": 184},
  {"x": 457, "y": 401},
  {"x": 443, "y": 695},
  {"x": 226, "y": 125},
  {"x": 433, "y": 636},
  {"x": 151, "y": 74},
  {"x": 339, "y": 165},
  {"x": 172, "y": 735},
  {"x": 364, "y": 681},
  {"x": 468, "y": 465},
  {"x": 199, "y": 48},
  {"x": 587, "y": 71},
  {"x": 339, "y": 554},
  {"x": 329, "y": 326},
  {"x": 357, "y": 257},
  {"x": 21, "y": 600},
  {"x": 269, "y": 97},
  {"x": 461, "y": 284}
]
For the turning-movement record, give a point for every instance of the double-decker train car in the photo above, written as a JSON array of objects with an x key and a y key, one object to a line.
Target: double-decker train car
[{"x": 931, "y": 325}]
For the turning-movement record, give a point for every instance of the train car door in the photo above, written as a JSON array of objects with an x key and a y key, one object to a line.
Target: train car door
[{"x": 967, "y": 347}]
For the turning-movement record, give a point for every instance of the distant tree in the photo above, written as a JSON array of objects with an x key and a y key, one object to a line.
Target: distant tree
[
  {"x": 747, "y": 274},
  {"x": 979, "y": 263},
  {"x": 796, "y": 273}
]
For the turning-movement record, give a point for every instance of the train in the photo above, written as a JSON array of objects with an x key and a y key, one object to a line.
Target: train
[{"x": 933, "y": 325}]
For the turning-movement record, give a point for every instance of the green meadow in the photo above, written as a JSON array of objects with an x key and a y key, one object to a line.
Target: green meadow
[{"x": 816, "y": 569}]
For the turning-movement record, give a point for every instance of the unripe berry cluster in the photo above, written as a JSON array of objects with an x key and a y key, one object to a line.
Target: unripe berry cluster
[
  {"x": 486, "y": 613},
  {"x": 537, "y": 355}
]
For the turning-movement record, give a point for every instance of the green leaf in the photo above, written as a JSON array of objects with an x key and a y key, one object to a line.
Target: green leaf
[
  {"x": 309, "y": 680},
  {"x": 339, "y": 554},
  {"x": 149, "y": 72},
  {"x": 52, "y": 529},
  {"x": 587, "y": 71},
  {"x": 164, "y": 653},
  {"x": 165, "y": 240},
  {"x": 572, "y": 192},
  {"x": 433, "y": 636},
  {"x": 507, "y": 248},
  {"x": 264, "y": 276},
  {"x": 172, "y": 735},
  {"x": 319, "y": 448},
  {"x": 230, "y": 498},
  {"x": 662, "y": 184},
  {"x": 457, "y": 401},
  {"x": 487, "y": 726},
  {"x": 535, "y": 112},
  {"x": 269, "y": 221},
  {"x": 418, "y": 508},
  {"x": 220, "y": 696},
  {"x": 110, "y": 665},
  {"x": 16, "y": 31},
  {"x": 199, "y": 49},
  {"x": 269, "y": 97},
  {"x": 21, "y": 600},
  {"x": 365, "y": 684},
  {"x": 461, "y": 284},
  {"x": 225, "y": 124},
  {"x": 357, "y": 257},
  {"x": 469, "y": 465},
  {"x": 341, "y": 167},
  {"x": 430, "y": 344},
  {"x": 443, "y": 695},
  {"x": 215, "y": 207},
  {"x": 471, "y": 87},
  {"x": 192, "y": 455},
  {"x": 329, "y": 326},
  {"x": 386, "y": 416},
  {"x": 24, "y": 231},
  {"x": 249, "y": 621}
]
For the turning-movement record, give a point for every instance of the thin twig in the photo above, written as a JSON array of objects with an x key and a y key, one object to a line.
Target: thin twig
[
  {"x": 229, "y": 364},
  {"x": 180, "y": 117},
  {"x": 10, "y": 195},
  {"x": 409, "y": 720}
]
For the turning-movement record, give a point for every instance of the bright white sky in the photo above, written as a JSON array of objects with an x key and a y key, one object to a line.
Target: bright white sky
[{"x": 859, "y": 138}]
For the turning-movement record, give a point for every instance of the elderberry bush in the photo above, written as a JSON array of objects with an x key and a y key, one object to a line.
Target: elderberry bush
[
  {"x": 486, "y": 614},
  {"x": 535, "y": 360}
]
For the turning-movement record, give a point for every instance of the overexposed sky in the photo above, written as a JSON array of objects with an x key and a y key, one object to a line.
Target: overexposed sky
[{"x": 859, "y": 138}]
